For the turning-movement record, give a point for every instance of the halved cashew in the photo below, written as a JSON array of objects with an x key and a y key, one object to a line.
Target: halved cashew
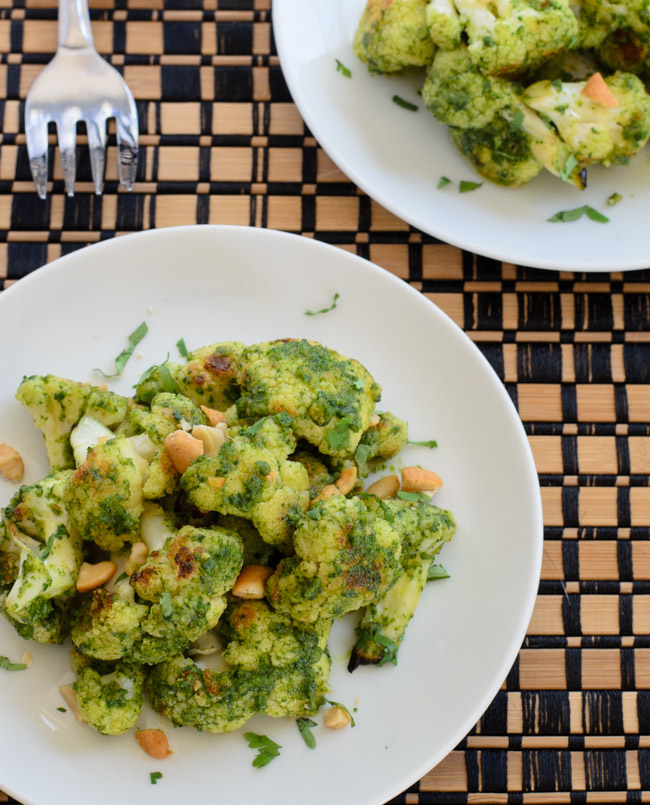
[
  {"x": 70, "y": 698},
  {"x": 11, "y": 464},
  {"x": 272, "y": 476},
  {"x": 326, "y": 493},
  {"x": 375, "y": 419},
  {"x": 182, "y": 449},
  {"x": 216, "y": 483},
  {"x": 137, "y": 557},
  {"x": 93, "y": 576},
  {"x": 214, "y": 416},
  {"x": 27, "y": 658},
  {"x": 154, "y": 743},
  {"x": 336, "y": 718},
  {"x": 346, "y": 480},
  {"x": 415, "y": 479},
  {"x": 212, "y": 438},
  {"x": 252, "y": 581},
  {"x": 386, "y": 487},
  {"x": 597, "y": 90}
]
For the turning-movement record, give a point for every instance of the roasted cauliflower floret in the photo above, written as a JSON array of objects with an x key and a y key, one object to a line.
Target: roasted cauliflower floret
[
  {"x": 394, "y": 34},
  {"x": 506, "y": 37},
  {"x": 384, "y": 440},
  {"x": 57, "y": 405},
  {"x": 345, "y": 559},
  {"x": 423, "y": 530},
  {"x": 209, "y": 376},
  {"x": 277, "y": 668},
  {"x": 599, "y": 18},
  {"x": 331, "y": 398},
  {"x": 9, "y": 559},
  {"x": 246, "y": 479},
  {"x": 608, "y": 129},
  {"x": 110, "y": 701},
  {"x": 104, "y": 495},
  {"x": 256, "y": 551},
  {"x": 319, "y": 474},
  {"x": 169, "y": 412}
]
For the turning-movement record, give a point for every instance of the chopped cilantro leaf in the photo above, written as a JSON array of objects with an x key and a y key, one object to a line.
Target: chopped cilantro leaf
[
  {"x": 430, "y": 443},
  {"x": 361, "y": 455},
  {"x": 6, "y": 663},
  {"x": 120, "y": 362},
  {"x": 60, "y": 531},
  {"x": 305, "y": 726},
  {"x": 341, "y": 68},
  {"x": 404, "y": 104},
  {"x": 437, "y": 572},
  {"x": 566, "y": 216},
  {"x": 359, "y": 384},
  {"x": 155, "y": 776},
  {"x": 390, "y": 649},
  {"x": 344, "y": 708},
  {"x": 615, "y": 198},
  {"x": 166, "y": 606},
  {"x": 516, "y": 121},
  {"x": 339, "y": 436},
  {"x": 120, "y": 578},
  {"x": 182, "y": 348},
  {"x": 416, "y": 497},
  {"x": 467, "y": 187},
  {"x": 267, "y": 749},
  {"x": 443, "y": 182},
  {"x": 569, "y": 166},
  {"x": 325, "y": 309},
  {"x": 61, "y": 709}
]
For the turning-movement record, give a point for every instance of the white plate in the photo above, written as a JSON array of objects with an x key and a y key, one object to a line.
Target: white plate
[
  {"x": 219, "y": 283},
  {"x": 397, "y": 157}
]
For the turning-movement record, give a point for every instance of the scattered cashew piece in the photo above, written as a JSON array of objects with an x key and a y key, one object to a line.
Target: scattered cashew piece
[
  {"x": 93, "y": 576},
  {"x": 415, "y": 479},
  {"x": 212, "y": 438},
  {"x": 597, "y": 90},
  {"x": 346, "y": 480},
  {"x": 11, "y": 463},
  {"x": 216, "y": 483},
  {"x": 214, "y": 416},
  {"x": 27, "y": 658},
  {"x": 386, "y": 487},
  {"x": 326, "y": 493},
  {"x": 70, "y": 698},
  {"x": 182, "y": 449},
  {"x": 154, "y": 743},
  {"x": 375, "y": 419},
  {"x": 252, "y": 581},
  {"x": 137, "y": 557},
  {"x": 336, "y": 718}
]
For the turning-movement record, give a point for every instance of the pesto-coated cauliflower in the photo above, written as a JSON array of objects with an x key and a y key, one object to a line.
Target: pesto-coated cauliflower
[
  {"x": 104, "y": 495},
  {"x": 331, "y": 398},
  {"x": 507, "y": 37},
  {"x": 394, "y": 34},
  {"x": 57, "y": 405},
  {"x": 110, "y": 700},
  {"x": 384, "y": 440},
  {"x": 423, "y": 530},
  {"x": 345, "y": 559},
  {"x": 274, "y": 667},
  {"x": 247, "y": 479},
  {"x": 595, "y": 132},
  {"x": 599, "y": 18}
]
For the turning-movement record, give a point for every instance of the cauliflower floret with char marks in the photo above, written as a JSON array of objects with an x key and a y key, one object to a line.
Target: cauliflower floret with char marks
[
  {"x": 330, "y": 397},
  {"x": 394, "y": 34},
  {"x": 596, "y": 132},
  {"x": 278, "y": 668},
  {"x": 110, "y": 700},
  {"x": 345, "y": 559}
]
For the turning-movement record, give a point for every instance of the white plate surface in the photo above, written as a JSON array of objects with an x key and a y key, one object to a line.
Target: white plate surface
[
  {"x": 220, "y": 283},
  {"x": 398, "y": 157}
]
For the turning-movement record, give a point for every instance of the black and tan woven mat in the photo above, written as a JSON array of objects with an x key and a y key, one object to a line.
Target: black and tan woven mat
[{"x": 223, "y": 143}]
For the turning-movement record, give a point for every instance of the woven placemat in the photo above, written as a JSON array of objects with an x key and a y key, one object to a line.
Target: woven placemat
[{"x": 222, "y": 143}]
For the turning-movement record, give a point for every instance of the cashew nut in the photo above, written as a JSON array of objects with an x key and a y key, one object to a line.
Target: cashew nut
[
  {"x": 214, "y": 416},
  {"x": 137, "y": 557},
  {"x": 327, "y": 492},
  {"x": 212, "y": 438},
  {"x": 252, "y": 581},
  {"x": 154, "y": 743},
  {"x": 336, "y": 718},
  {"x": 415, "y": 479},
  {"x": 182, "y": 449},
  {"x": 70, "y": 698},
  {"x": 93, "y": 576},
  {"x": 375, "y": 419},
  {"x": 346, "y": 480},
  {"x": 386, "y": 487},
  {"x": 11, "y": 464}
]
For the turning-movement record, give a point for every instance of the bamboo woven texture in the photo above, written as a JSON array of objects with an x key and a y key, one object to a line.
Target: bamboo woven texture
[{"x": 222, "y": 143}]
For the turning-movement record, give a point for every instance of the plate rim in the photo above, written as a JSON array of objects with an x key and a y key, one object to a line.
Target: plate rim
[
  {"x": 280, "y": 9},
  {"x": 536, "y": 513}
]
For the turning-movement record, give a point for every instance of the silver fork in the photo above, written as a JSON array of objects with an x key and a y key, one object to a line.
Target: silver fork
[{"x": 78, "y": 85}]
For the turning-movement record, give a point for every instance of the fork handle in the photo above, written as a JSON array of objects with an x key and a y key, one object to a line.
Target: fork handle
[{"x": 74, "y": 24}]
